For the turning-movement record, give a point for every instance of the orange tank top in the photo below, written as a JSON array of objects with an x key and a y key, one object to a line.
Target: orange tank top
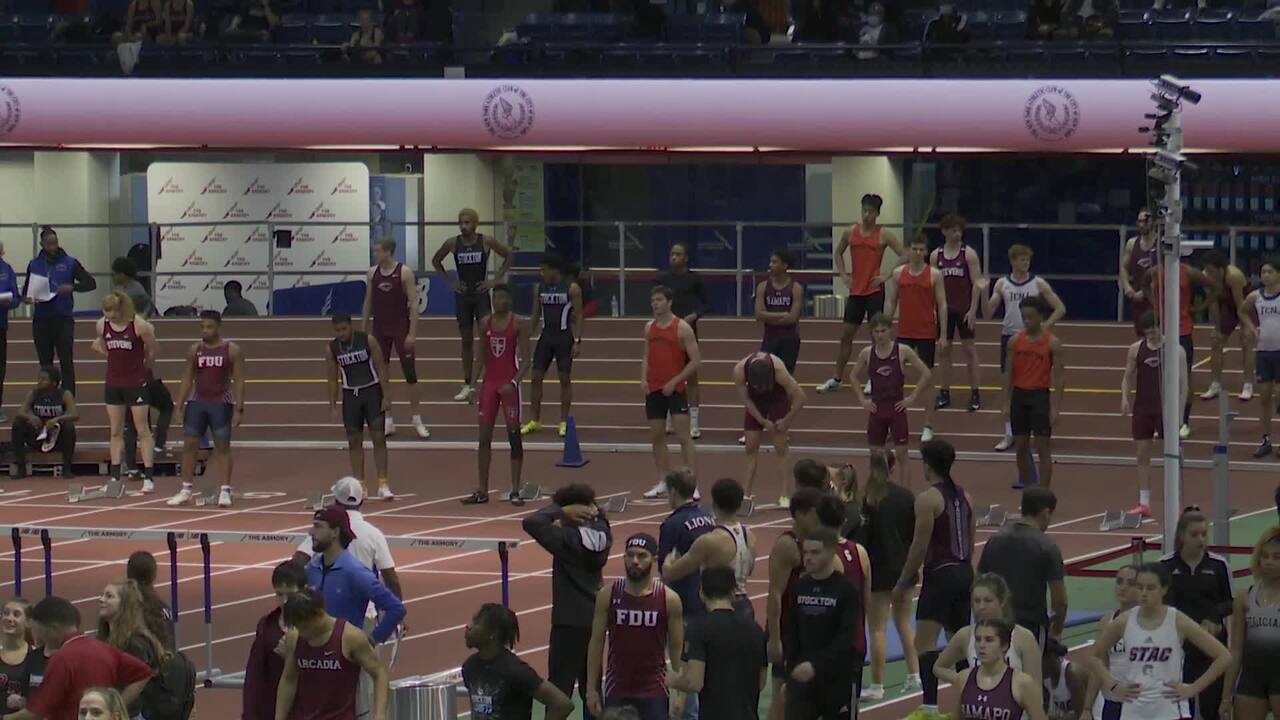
[
  {"x": 1185, "y": 325},
  {"x": 665, "y": 355},
  {"x": 865, "y": 257},
  {"x": 1032, "y": 361},
  {"x": 917, "y": 305}
]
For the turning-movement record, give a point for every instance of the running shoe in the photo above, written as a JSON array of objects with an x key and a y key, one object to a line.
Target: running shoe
[
  {"x": 921, "y": 714},
  {"x": 784, "y": 502},
  {"x": 476, "y": 498},
  {"x": 224, "y": 497},
  {"x": 1264, "y": 449},
  {"x": 181, "y": 498},
  {"x": 389, "y": 426},
  {"x": 1005, "y": 443},
  {"x": 563, "y": 428},
  {"x": 1246, "y": 392},
  {"x": 148, "y": 485},
  {"x": 943, "y": 400},
  {"x": 1214, "y": 390},
  {"x": 424, "y": 433},
  {"x": 514, "y": 498},
  {"x": 831, "y": 385},
  {"x": 532, "y": 426},
  {"x": 465, "y": 394},
  {"x": 1185, "y": 431},
  {"x": 671, "y": 427},
  {"x": 911, "y": 685},
  {"x": 1017, "y": 484},
  {"x": 657, "y": 491},
  {"x": 4, "y": 418},
  {"x": 872, "y": 693},
  {"x": 1140, "y": 509},
  {"x": 975, "y": 401},
  {"x": 384, "y": 492},
  {"x": 866, "y": 388},
  {"x": 927, "y": 434},
  {"x": 67, "y": 472},
  {"x": 695, "y": 431},
  {"x": 17, "y": 470},
  {"x": 742, "y": 439}
]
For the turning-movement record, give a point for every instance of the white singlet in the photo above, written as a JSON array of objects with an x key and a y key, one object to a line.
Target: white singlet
[
  {"x": 1268, "y": 321},
  {"x": 1060, "y": 695},
  {"x": 1155, "y": 659},
  {"x": 1012, "y": 295},
  {"x": 1117, "y": 663},
  {"x": 743, "y": 558}
]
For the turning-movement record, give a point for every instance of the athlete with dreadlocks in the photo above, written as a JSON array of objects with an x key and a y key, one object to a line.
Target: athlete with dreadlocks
[{"x": 500, "y": 684}]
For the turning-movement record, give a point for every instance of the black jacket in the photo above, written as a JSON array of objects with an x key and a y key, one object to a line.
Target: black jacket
[{"x": 579, "y": 554}]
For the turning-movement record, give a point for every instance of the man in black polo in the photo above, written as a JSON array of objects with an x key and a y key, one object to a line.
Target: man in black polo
[
  {"x": 724, "y": 651},
  {"x": 689, "y": 304},
  {"x": 1031, "y": 563}
]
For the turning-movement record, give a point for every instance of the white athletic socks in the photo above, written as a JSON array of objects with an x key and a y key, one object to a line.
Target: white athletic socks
[{"x": 1144, "y": 497}]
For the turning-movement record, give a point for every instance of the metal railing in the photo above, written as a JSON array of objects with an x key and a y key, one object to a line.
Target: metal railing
[{"x": 618, "y": 256}]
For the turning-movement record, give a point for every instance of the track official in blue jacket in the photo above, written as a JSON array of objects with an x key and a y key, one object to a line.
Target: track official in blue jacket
[
  {"x": 53, "y": 327},
  {"x": 9, "y": 299},
  {"x": 348, "y": 586}
]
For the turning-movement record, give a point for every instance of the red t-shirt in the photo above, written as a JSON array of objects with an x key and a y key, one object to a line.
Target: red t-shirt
[{"x": 81, "y": 663}]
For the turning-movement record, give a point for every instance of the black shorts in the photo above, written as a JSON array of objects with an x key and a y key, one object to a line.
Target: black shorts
[
  {"x": 1029, "y": 413},
  {"x": 471, "y": 307},
  {"x": 1268, "y": 366},
  {"x": 658, "y": 406},
  {"x": 1188, "y": 344},
  {"x": 786, "y": 347},
  {"x": 130, "y": 395},
  {"x": 944, "y": 596},
  {"x": 558, "y": 345},
  {"x": 362, "y": 407},
  {"x": 860, "y": 308},
  {"x": 926, "y": 349},
  {"x": 1004, "y": 351},
  {"x": 1258, "y": 678},
  {"x": 957, "y": 325}
]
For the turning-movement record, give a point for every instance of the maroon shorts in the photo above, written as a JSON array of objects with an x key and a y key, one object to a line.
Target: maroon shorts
[
  {"x": 1140, "y": 308},
  {"x": 772, "y": 413},
  {"x": 1228, "y": 321},
  {"x": 881, "y": 427},
  {"x": 1147, "y": 425},
  {"x": 491, "y": 399},
  {"x": 397, "y": 341}
]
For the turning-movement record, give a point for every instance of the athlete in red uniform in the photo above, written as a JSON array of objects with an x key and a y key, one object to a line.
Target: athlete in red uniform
[
  {"x": 883, "y": 364},
  {"x": 962, "y": 276},
  {"x": 213, "y": 366},
  {"x": 916, "y": 295},
  {"x": 129, "y": 343},
  {"x": 323, "y": 658},
  {"x": 1036, "y": 363},
  {"x": 671, "y": 357},
  {"x": 391, "y": 297},
  {"x": 504, "y": 335},
  {"x": 771, "y": 397},
  {"x": 1142, "y": 372},
  {"x": 644, "y": 623},
  {"x": 865, "y": 277}
]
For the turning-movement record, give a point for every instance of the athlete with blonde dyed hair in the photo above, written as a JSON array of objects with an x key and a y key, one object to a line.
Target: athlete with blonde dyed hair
[{"x": 129, "y": 344}]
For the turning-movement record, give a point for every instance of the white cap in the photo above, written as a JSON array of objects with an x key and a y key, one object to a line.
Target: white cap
[{"x": 348, "y": 491}]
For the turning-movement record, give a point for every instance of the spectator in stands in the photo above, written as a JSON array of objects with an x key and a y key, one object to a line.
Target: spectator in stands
[
  {"x": 253, "y": 23},
  {"x": 142, "y": 22},
  {"x": 53, "y": 326},
  {"x": 8, "y": 286},
  {"x": 370, "y": 544},
  {"x": 1044, "y": 19},
  {"x": 875, "y": 32},
  {"x": 179, "y": 17},
  {"x": 265, "y": 665},
  {"x": 757, "y": 30},
  {"x": 15, "y": 648},
  {"x": 498, "y": 683},
  {"x": 48, "y": 409},
  {"x": 103, "y": 704},
  {"x": 1092, "y": 19},
  {"x": 1031, "y": 564},
  {"x": 124, "y": 277},
  {"x": 951, "y": 27},
  {"x": 347, "y": 585},
  {"x": 820, "y": 21},
  {"x": 237, "y": 305},
  {"x": 410, "y": 21},
  {"x": 576, "y": 533},
  {"x": 366, "y": 40},
  {"x": 77, "y": 662},
  {"x": 158, "y": 617}
]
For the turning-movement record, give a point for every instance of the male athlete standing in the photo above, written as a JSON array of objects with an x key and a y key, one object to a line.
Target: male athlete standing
[
  {"x": 962, "y": 276},
  {"x": 213, "y": 366},
  {"x": 1140, "y": 255},
  {"x": 1035, "y": 365},
  {"x": 943, "y": 544},
  {"x": 1231, "y": 286},
  {"x": 391, "y": 295},
  {"x": 1144, "y": 372},
  {"x": 671, "y": 357},
  {"x": 734, "y": 548},
  {"x": 471, "y": 257},
  {"x": 559, "y": 305},
  {"x": 362, "y": 367},
  {"x": 689, "y": 303},
  {"x": 1264, "y": 303},
  {"x": 884, "y": 365},
  {"x": 504, "y": 335},
  {"x": 643, "y": 620},
  {"x": 923, "y": 312},
  {"x": 866, "y": 243}
]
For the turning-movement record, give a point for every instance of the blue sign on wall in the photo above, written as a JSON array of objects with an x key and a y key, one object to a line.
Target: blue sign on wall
[{"x": 327, "y": 299}]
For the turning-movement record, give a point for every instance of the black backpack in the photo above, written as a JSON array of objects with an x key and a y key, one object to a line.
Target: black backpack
[{"x": 171, "y": 694}]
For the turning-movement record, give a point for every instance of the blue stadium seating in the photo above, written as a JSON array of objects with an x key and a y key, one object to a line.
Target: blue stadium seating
[
  {"x": 31, "y": 7},
  {"x": 34, "y": 28},
  {"x": 305, "y": 56},
  {"x": 1009, "y": 25},
  {"x": 332, "y": 29},
  {"x": 294, "y": 29},
  {"x": 1251, "y": 28}
]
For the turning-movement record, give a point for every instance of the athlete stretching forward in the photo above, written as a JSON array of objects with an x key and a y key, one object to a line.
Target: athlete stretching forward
[
  {"x": 559, "y": 305},
  {"x": 391, "y": 295},
  {"x": 213, "y": 366},
  {"x": 1231, "y": 286}
]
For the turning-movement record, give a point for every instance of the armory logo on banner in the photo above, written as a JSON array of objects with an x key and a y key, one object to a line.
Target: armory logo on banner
[{"x": 216, "y": 219}]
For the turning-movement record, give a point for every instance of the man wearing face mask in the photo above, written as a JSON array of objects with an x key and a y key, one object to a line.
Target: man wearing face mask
[
  {"x": 951, "y": 27},
  {"x": 875, "y": 32}
]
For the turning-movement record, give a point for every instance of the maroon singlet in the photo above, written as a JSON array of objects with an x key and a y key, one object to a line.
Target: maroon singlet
[
  {"x": 852, "y": 568},
  {"x": 1140, "y": 261},
  {"x": 1147, "y": 399},
  {"x": 213, "y": 373},
  {"x": 126, "y": 357},
  {"x": 326, "y": 680},
  {"x": 390, "y": 303},
  {"x": 766, "y": 399},
  {"x": 955, "y": 278},
  {"x": 887, "y": 380},
  {"x": 637, "y": 666},
  {"x": 950, "y": 542},
  {"x": 778, "y": 300},
  {"x": 789, "y": 592},
  {"x": 997, "y": 703}
]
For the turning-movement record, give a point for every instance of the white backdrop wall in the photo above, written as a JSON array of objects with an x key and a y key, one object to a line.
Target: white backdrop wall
[{"x": 194, "y": 202}]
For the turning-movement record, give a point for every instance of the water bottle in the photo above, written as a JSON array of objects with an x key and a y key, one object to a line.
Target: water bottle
[{"x": 613, "y": 306}]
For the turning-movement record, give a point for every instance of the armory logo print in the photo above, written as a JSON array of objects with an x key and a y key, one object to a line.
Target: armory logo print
[
  {"x": 324, "y": 260},
  {"x": 10, "y": 110},
  {"x": 343, "y": 188},
  {"x": 258, "y": 234},
  {"x": 1051, "y": 113},
  {"x": 322, "y": 212},
  {"x": 237, "y": 260},
  {"x": 213, "y": 187},
  {"x": 173, "y": 284},
  {"x": 214, "y": 236},
  {"x": 173, "y": 234},
  {"x": 303, "y": 235},
  {"x": 193, "y": 212},
  {"x": 235, "y": 212},
  {"x": 299, "y": 188},
  {"x": 344, "y": 236},
  {"x": 507, "y": 112},
  {"x": 257, "y": 187},
  {"x": 281, "y": 260},
  {"x": 169, "y": 187},
  {"x": 279, "y": 212},
  {"x": 193, "y": 259}
]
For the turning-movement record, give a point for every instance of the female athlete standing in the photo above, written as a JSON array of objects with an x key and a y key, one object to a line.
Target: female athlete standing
[
  {"x": 129, "y": 343},
  {"x": 991, "y": 690},
  {"x": 1099, "y": 703},
  {"x": 1255, "y": 638},
  {"x": 990, "y": 602}
]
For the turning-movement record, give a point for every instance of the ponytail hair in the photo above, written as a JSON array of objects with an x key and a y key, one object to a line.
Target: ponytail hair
[{"x": 877, "y": 479}]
